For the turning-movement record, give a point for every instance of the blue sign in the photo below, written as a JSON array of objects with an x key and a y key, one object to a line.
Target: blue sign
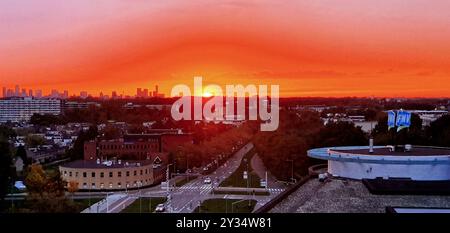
[
  {"x": 391, "y": 119},
  {"x": 403, "y": 120}
]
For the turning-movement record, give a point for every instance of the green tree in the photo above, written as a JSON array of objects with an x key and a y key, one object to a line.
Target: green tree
[
  {"x": 6, "y": 171},
  {"x": 77, "y": 151},
  {"x": 439, "y": 132},
  {"x": 46, "y": 192},
  {"x": 22, "y": 153},
  {"x": 340, "y": 134},
  {"x": 412, "y": 135}
]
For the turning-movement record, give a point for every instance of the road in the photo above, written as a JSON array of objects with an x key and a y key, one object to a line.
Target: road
[{"x": 186, "y": 198}]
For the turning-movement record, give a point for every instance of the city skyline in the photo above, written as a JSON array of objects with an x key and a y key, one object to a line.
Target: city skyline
[
  {"x": 319, "y": 48},
  {"x": 17, "y": 91}
]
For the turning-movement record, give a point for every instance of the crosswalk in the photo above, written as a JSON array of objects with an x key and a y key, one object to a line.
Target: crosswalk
[{"x": 204, "y": 189}]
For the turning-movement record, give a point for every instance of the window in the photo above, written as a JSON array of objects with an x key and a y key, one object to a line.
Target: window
[
  {"x": 76, "y": 174},
  {"x": 135, "y": 173},
  {"x": 70, "y": 174},
  {"x": 93, "y": 174},
  {"x": 142, "y": 172},
  {"x": 102, "y": 174},
  {"x": 128, "y": 173},
  {"x": 119, "y": 174},
  {"x": 110, "y": 185},
  {"x": 119, "y": 184},
  {"x": 65, "y": 173},
  {"x": 93, "y": 185},
  {"x": 146, "y": 170},
  {"x": 110, "y": 174},
  {"x": 102, "y": 185},
  {"x": 84, "y": 185},
  {"x": 84, "y": 174}
]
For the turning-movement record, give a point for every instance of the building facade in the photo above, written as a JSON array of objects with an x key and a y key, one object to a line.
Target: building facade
[
  {"x": 135, "y": 146},
  {"x": 19, "y": 109},
  {"x": 112, "y": 174}
]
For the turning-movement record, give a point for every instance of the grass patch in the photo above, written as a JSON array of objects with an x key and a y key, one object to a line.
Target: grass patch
[
  {"x": 236, "y": 178},
  {"x": 83, "y": 204},
  {"x": 26, "y": 205},
  {"x": 265, "y": 193},
  {"x": 226, "y": 206},
  {"x": 148, "y": 205}
]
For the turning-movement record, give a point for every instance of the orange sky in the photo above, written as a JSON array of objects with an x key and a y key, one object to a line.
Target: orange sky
[{"x": 394, "y": 48}]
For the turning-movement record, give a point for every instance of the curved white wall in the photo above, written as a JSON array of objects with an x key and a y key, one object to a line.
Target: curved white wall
[{"x": 362, "y": 170}]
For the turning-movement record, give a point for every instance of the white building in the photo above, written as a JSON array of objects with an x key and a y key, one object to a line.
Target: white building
[
  {"x": 21, "y": 109},
  {"x": 357, "y": 162}
]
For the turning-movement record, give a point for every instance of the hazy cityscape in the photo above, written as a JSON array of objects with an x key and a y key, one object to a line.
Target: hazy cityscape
[
  {"x": 56, "y": 94},
  {"x": 129, "y": 155}
]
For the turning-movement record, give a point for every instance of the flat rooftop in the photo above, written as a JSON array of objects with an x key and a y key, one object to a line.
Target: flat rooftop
[
  {"x": 350, "y": 196},
  {"x": 416, "y": 151},
  {"x": 94, "y": 164}
]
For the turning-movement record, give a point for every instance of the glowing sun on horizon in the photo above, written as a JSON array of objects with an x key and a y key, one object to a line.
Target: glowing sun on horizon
[{"x": 207, "y": 94}]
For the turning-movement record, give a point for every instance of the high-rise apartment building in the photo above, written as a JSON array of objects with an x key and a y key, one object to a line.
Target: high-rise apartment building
[{"x": 22, "y": 108}]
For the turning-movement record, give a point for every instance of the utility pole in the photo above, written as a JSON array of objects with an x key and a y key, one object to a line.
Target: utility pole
[{"x": 267, "y": 182}]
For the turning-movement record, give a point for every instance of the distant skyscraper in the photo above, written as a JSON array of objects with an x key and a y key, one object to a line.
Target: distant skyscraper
[
  {"x": 17, "y": 90},
  {"x": 139, "y": 92},
  {"x": 4, "y": 92},
  {"x": 66, "y": 94},
  {"x": 83, "y": 94},
  {"x": 9, "y": 93},
  {"x": 54, "y": 94},
  {"x": 114, "y": 95},
  {"x": 145, "y": 93},
  {"x": 30, "y": 93},
  {"x": 38, "y": 94},
  {"x": 24, "y": 92}
]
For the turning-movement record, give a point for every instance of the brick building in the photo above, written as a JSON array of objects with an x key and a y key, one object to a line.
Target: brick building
[{"x": 136, "y": 146}]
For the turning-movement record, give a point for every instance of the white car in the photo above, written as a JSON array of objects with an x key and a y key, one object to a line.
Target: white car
[
  {"x": 160, "y": 208},
  {"x": 207, "y": 180}
]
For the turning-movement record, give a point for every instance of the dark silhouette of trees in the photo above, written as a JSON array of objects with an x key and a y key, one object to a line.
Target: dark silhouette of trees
[
  {"x": 439, "y": 132},
  {"x": 412, "y": 135},
  {"x": 6, "y": 171},
  {"x": 77, "y": 151},
  {"x": 22, "y": 153},
  {"x": 340, "y": 134}
]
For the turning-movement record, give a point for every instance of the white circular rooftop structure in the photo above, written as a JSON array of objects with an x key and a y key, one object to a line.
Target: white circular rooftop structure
[{"x": 420, "y": 163}]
